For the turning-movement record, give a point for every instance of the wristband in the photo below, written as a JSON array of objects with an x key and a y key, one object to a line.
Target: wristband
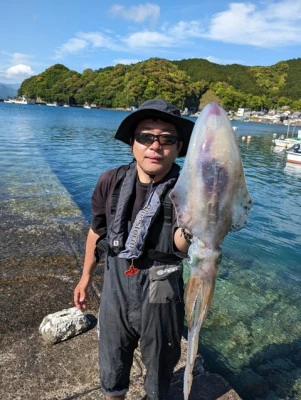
[{"x": 186, "y": 235}]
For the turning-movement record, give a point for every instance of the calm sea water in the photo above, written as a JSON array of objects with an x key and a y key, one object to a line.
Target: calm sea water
[{"x": 252, "y": 334}]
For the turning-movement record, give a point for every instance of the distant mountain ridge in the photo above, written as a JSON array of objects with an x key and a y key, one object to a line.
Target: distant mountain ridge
[
  {"x": 8, "y": 90},
  {"x": 186, "y": 83}
]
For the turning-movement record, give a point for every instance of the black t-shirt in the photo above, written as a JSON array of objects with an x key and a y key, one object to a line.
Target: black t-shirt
[
  {"x": 101, "y": 200},
  {"x": 138, "y": 197},
  {"x": 101, "y": 203}
]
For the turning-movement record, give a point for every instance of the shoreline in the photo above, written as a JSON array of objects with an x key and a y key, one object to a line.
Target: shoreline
[{"x": 260, "y": 120}]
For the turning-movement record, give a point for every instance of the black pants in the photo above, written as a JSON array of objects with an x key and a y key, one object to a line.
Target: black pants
[{"x": 148, "y": 307}]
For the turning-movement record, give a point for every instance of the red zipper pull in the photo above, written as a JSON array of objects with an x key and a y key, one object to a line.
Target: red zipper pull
[{"x": 132, "y": 270}]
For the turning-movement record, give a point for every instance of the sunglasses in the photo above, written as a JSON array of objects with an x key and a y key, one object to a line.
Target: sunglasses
[{"x": 149, "y": 138}]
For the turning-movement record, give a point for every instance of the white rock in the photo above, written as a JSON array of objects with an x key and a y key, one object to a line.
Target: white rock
[{"x": 63, "y": 325}]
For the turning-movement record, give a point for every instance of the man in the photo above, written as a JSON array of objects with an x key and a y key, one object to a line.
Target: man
[{"x": 134, "y": 220}]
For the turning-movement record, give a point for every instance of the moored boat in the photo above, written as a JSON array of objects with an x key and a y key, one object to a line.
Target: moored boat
[
  {"x": 294, "y": 154},
  {"x": 54, "y": 104},
  {"x": 282, "y": 141},
  {"x": 287, "y": 141},
  {"x": 20, "y": 100}
]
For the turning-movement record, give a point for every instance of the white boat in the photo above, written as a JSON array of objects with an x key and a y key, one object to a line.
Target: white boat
[
  {"x": 21, "y": 100},
  {"x": 294, "y": 155},
  {"x": 87, "y": 106},
  {"x": 294, "y": 158},
  {"x": 185, "y": 112},
  {"x": 286, "y": 141},
  {"x": 54, "y": 104},
  {"x": 282, "y": 141},
  {"x": 66, "y": 104}
]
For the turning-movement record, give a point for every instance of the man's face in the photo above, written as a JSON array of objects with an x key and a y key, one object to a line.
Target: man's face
[{"x": 154, "y": 158}]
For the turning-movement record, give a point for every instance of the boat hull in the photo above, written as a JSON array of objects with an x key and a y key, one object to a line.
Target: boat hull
[{"x": 293, "y": 157}]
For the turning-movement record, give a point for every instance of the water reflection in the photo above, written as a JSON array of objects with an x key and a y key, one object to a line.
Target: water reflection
[{"x": 293, "y": 169}]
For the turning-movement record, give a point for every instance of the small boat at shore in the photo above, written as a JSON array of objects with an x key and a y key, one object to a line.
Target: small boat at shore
[
  {"x": 287, "y": 141},
  {"x": 54, "y": 104},
  {"x": 294, "y": 154},
  {"x": 282, "y": 141},
  {"x": 20, "y": 100}
]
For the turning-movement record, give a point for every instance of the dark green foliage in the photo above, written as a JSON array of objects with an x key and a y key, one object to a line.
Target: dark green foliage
[
  {"x": 183, "y": 82},
  {"x": 292, "y": 87},
  {"x": 236, "y": 75},
  {"x": 57, "y": 83}
]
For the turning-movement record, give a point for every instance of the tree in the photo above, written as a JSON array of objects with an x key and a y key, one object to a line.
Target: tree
[{"x": 184, "y": 83}]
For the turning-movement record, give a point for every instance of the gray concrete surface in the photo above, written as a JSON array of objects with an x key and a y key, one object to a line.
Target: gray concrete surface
[{"x": 42, "y": 246}]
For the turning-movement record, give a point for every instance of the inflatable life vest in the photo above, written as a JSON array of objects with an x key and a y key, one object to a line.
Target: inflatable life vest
[{"x": 156, "y": 243}]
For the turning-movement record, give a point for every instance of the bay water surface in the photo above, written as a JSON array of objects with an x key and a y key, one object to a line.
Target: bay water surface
[{"x": 252, "y": 334}]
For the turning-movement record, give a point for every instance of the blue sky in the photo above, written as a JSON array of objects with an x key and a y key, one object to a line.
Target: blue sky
[{"x": 35, "y": 35}]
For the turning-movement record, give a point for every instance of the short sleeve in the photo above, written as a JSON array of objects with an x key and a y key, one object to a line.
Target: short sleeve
[{"x": 101, "y": 201}]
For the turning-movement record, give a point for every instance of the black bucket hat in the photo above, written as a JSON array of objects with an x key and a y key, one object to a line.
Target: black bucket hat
[{"x": 161, "y": 109}]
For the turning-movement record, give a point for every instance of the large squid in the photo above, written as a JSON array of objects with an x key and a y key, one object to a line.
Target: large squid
[{"x": 211, "y": 198}]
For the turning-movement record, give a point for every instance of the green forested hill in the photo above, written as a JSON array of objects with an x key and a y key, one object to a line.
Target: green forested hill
[
  {"x": 292, "y": 87},
  {"x": 236, "y": 75},
  {"x": 182, "y": 82},
  {"x": 284, "y": 77}
]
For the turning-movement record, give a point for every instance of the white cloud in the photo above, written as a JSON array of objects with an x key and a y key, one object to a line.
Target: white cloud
[
  {"x": 16, "y": 73},
  {"x": 126, "y": 61},
  {"x": 19, "y": 58},
  {"x": 276, "y": 25},
  {"x": 147, "y": 39},
  {"x": 17, "y": 67},
  {"x": 95, "y": 39},
  {"x": 289, "y": 10},
  {"x": 269, "y": 25},
  {"x": 262, "y": 24},
  {"x": 72, "y": 46},
  {"x": 84, "y": 41},
  {"x": 183, "y": 30},
  {"x": 170, "y": 36},
  {"x": 138, "y": 14}
]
